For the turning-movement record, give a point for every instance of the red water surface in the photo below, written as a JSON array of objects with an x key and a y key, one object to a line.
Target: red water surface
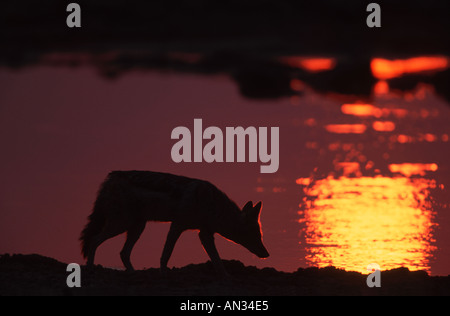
[{"x": 344, "y": 168}]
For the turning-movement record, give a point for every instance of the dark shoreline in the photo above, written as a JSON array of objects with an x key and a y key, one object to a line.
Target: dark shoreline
[
  {"x": 241, "y": 39},
  {"x": 36, "y": 275}
]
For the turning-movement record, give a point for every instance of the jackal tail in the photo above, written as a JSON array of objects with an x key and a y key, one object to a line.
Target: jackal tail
[{"x": 96, "y": 222}]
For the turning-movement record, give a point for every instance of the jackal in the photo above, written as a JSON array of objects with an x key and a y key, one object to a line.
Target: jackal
[{"x": 128, "y": 199}]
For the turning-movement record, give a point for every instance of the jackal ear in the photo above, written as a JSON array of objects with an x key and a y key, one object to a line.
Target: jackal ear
[
  {"x": 257, "y": 209},
  {"x": 248, "y": 206}
]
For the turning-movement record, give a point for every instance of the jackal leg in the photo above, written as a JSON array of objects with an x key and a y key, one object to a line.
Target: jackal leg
[
  {"x": 207, "y": 239},
  {"x": 133, "y": 235},
  {"x": 172, "y": 237},
  {"x": 110, "y": 230}
]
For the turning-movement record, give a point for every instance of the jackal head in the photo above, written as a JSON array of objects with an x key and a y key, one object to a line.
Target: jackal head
[{"x": 248, "y": 230}]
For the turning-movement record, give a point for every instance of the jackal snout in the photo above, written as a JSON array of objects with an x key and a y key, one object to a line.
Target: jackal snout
[
  {"x": 250, "y": 233},
  {"x": 256, "y": 246},
  {"x": 263, "y": 253},
  {"x": 260, "y": 251}
]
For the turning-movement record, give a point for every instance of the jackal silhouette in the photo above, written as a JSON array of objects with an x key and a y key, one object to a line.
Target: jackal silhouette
[{"x": 128, "y": 199}]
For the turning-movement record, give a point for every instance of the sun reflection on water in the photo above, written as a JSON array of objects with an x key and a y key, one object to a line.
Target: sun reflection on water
[
  {"x": 387, "y": 69},
  {"x": 371, "y": 192},
  {"x": 351, "y": 222},
  {"x": 310, "y": 64}
]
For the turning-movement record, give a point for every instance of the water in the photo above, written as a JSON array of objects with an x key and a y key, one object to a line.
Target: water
[
  {"x": 360, "y": 181},
  {"x": 352, "y": 222},
  {"x": 378, "y": 194}
]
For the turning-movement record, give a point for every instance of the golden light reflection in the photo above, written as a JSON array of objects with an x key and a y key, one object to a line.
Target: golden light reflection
[
  {"x": 352, "y": 222},
  {"x": 363, "y": 109},
  {"x": 427, "y": 137},
  {"x": 403, "y": 139},
  {"x": 311, "y": 64},
  {"x": 348, "y": 168},
  {"x": 346, "y": 128},
  {"x": 410, "y": 169},
  {"x": 383, "y": 126},
  {"x": 386, "y": 69},
  {"x": 381, "y": 88},
  {"x": 430, "y": 137}
]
